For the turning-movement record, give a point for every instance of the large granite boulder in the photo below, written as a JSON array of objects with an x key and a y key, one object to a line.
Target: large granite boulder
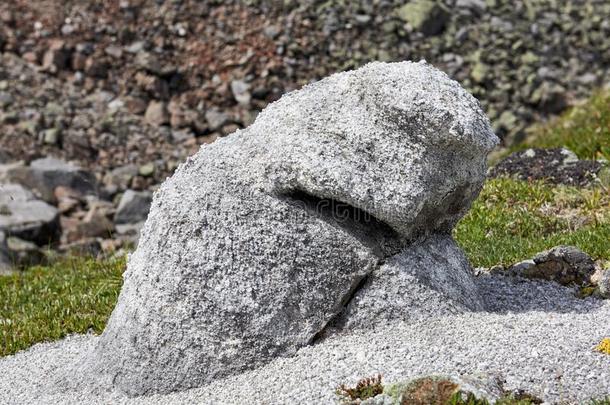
[{"x": 259, "y": 241}]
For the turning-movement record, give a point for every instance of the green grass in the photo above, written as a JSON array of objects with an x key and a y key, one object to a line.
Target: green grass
[
  {"x": 512, "y": 220},
  {"x": 584, "y": 129},
  {"x": 48, "y": 303}
]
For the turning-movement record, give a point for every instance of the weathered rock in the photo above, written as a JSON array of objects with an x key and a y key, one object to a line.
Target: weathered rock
[
  {"x": 556, "y": 166},
  {"x": 261, "y": 238},
  {"x": 427, "y": 16},
  {"x": 133, "y": 207},
  {"x": 24, "y": 216},
  {"x": 436, "y": 271},
  {"x": 44, "y": 175},
  {"x": 566, "y": 265}
]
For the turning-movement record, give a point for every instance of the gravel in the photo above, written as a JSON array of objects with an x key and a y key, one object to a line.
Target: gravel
[{"x": 535, "y": 337}]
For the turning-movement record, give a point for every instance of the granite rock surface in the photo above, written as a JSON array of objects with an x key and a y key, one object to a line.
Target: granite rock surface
[{"x": 260, "y": 240}]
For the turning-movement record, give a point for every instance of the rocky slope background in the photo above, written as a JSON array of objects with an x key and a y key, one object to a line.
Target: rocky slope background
[{"x": 120, "y": 92}]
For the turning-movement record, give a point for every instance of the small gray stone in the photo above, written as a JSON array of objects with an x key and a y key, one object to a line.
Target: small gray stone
[
  {"x": 272, "y": 31},
  {"x": 241, "y": 92},
  {"x": 44, "y": 175},
  {"x": 550, "y": 97},
  {"x": 147, "y": 169},
  {"x": 130, "y": 233},
  {"x": 215, "y": 119},
  {"x": 94, "y": 224},
  {"x": 475, "y": 5},
  {"x": 51, "y": 136},
  {"x": 427, "y": 16},
  {"x": 23, "y": 216},
  {"x": 556, "y": 165},
  {"x": 156, "y": 113},
  {"x": 14, "y": 193},
  {"x": 133, "y": 207},
  {"x": 67, "y": 29},
  {"x": 114, "y": 51},
  {"x": 149, "y": 62},
  {"x": 135, "y": 47}
]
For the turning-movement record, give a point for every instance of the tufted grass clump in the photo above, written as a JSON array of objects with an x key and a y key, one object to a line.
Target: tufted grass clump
[
  {"x": 513, "y": 220},
  {"x": 604, "y": 346},
  {"x": 73, "y": 295},
  {"x": 364, "y": 389}
]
